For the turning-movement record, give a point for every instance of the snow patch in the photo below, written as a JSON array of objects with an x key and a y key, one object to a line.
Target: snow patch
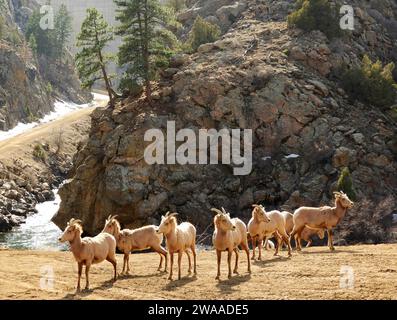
[
  {"x": 61, "y": 108},
  {"x": 292, "y": 156}
]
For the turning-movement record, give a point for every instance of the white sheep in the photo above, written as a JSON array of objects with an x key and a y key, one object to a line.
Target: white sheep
[
  {"x": 270, "y": 224},
  {"x": 179, "y": 238},
  {"x": 321, "y": 218},
  {"x": 137, "y": 239},
  {"x": 228, "y": 235},
  {"x": 89, "y": 250}
]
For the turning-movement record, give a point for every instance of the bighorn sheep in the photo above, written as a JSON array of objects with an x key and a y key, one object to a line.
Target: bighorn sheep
[
  {"x": 307, "y": 233},
  {"x": 179, "y": 238},
  {"x": 88, "y": 251},
  {"x": 321, "y": 218},
  {"x": 228, "y": 235},
  {"x": 265, "y": 224},
  {"x": 137, "y": 239}
]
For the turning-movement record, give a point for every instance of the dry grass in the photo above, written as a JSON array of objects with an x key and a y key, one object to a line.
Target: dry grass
[{"x": 313, "y": 274}]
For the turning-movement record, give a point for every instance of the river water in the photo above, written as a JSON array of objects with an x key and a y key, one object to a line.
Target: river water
[{"x": 37, "y": 232}]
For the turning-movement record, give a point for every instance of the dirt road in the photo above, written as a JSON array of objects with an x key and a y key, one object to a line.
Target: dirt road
[
  {"x": 313, "y": 274},
  {"x": 16, "y": 146}
]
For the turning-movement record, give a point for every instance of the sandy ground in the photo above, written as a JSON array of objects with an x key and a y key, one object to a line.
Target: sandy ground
[{"x": 313, "y": 274}]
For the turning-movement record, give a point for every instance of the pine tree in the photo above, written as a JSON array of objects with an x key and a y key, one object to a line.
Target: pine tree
[
  {"x": 147, "y": 43},
  {"x": 345, "y": 184},
  {"x": 91, "y": 61},
  {"x": 45, "y": 39},
  {"x": 63, "y": 29}
]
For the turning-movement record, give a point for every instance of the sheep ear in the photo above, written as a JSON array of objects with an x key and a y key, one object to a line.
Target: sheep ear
[
  {"x": 162, "y": 217},
  {"x": 166, "y": 215},
  {"x": 115, "y": 217},
  {"x": 223, "y": 210},
  {"x": 173, "y": 214},
  {"x": 255, "y": 205}
]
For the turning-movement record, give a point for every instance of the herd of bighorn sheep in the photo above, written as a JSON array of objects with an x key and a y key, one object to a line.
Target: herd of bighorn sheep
[{"x": 229, "y": 235}]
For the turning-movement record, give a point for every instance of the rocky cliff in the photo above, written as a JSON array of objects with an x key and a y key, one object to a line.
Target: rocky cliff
[
  {"x": 29, "y": 85},
  {"x": 260, "y": 75}
]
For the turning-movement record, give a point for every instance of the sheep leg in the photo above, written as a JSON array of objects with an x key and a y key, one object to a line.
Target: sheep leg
[
  {"x": 113, "y": 261},
  {"x": 80, "y": 270},
  {"x": 253, "y": 239},
  {"x": 236, "y": 264},
  {"x": 87, "y": 279},
  {"x": 229, "y": 263},
  {"x": 190, "y": 262},
  {"x": 179, "y": 264},
  {"x": 260, "y": 240},
  {"x": 279, "y": 242},
  {"x": 194, "y": 258},
  {"x": 172, "y": 264},
  {"x": 162, "y": 252},
  {"x": 218, "y": 259},
  {"x": 125, "y": 261},
  {"x": 296, "y": 233},
  {"x": 161, "y": 262},
  {"x": 128, "y": 263},
  {"x": 247, "y": 251},
  {"x": 309, "y": 243},
  {"x": 286, "y": 240},
  {"x": 265, "y": 243},
  {"x": 330, "y": 240}
]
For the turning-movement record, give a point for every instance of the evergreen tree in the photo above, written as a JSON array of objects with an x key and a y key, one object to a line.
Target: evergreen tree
[
  {"x": 63, "y": 29},
  {"x": 45, "y": 39},
  {"x": 147, "y": 43},
  {"x": 345, "y": 184},
  {"x": 91, "y": 61}
]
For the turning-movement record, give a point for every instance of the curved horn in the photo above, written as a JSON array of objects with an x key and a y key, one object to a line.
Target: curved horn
[
  {"x": 115, "y": 217},
  {"x": 109, "y": 217},
  {"x": 217, "y": 211},
  {"x": 172, "y": 214},
  {"x": 224, "y": 211},
  {"x": 255, "y": 205},
  {"x": 336, "y": 193},
  {"x": 166, "y": 215}
]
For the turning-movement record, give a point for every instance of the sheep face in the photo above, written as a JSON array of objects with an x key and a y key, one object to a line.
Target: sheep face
[
  {"x": 168, "y": 223},
  {"x": 259, "y": 213},
  {"x": 223, "y": 222},
  {"x": 344, "y": 200},
  {"x": 70, "y": 232}
]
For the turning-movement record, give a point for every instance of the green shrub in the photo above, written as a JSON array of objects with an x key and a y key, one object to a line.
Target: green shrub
[
  {"x": 371, "y": 83},
  {"x": 345, "y": 184},
  {"x": 39, "y": 152},
  {"x": 177, "y": 5},
  {"x": 202, "y": 32},
  {"x": 316, "y": 15}
]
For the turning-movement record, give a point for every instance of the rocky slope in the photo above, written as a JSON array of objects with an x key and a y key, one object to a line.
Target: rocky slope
[
  {"x": 260, "y": 75},
  {"x": 28, "y": 86}
]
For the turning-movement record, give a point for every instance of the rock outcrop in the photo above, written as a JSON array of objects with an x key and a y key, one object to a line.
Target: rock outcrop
[{"x": 262, "y": 76}]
